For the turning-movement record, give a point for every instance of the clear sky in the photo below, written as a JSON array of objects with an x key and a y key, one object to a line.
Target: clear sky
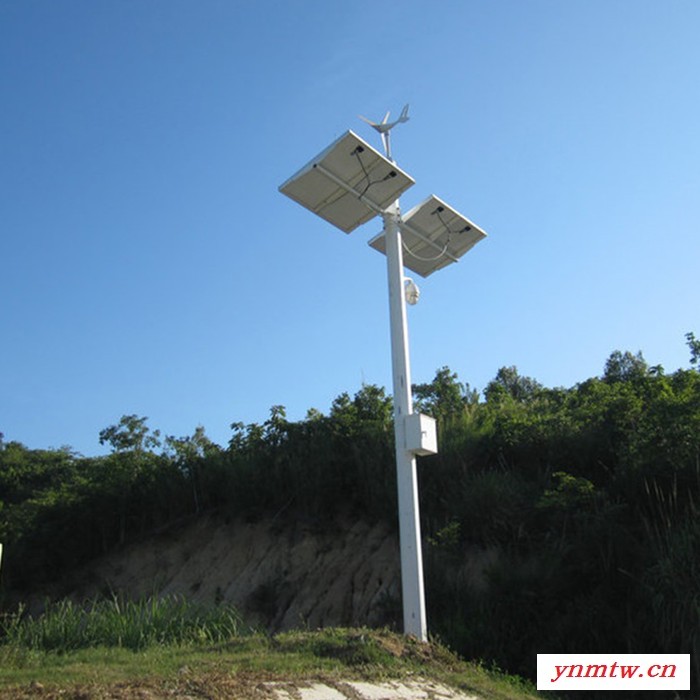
[{"x": 149, "y": 265}]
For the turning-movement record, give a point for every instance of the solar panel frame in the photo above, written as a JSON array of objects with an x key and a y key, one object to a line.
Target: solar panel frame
[
  {"x": 348, "y": 183},
  {"x": 434, "y": 235}
]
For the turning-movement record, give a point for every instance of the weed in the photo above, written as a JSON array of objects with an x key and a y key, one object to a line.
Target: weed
[{"x": 116, "y": 622}]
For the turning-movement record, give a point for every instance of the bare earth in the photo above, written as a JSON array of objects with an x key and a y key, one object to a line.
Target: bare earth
[
  {"x": 246, "y": 688},
  {"x": 280, "y": 576}
]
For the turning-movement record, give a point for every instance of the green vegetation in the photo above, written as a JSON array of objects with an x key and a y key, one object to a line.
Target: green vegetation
[
  {"x": 580, "y": 503},
  {"x": 65, "y": 626},
  {"x": 75, "y": 651}
]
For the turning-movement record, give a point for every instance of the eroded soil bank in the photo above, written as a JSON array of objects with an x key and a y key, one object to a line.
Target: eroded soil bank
[{"x": 281, "y": 575}]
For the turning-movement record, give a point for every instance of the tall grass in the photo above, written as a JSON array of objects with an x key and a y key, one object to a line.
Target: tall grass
[{"x": 115, "y": 622}]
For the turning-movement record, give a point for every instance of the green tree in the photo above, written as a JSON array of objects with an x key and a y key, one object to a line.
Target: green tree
[
  {"x": 131, "y": 434},
  {"x": 372, "y": 404},
  {"x": 189, "y": 455},
  {"x": 445, "y": 396},
  {"x": 694, "y": 347},
  {"x": 25, "y": 472},
  {"x": 509, "y": 383},
  {"x": 131, "y": 469},
  {"x": 624, "y": 367}
]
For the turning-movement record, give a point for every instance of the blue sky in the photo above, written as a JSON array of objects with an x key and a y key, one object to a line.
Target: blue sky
[{"x": 150, "y": 266}]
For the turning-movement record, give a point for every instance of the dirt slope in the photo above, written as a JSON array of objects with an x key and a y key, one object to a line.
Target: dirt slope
[{"x": 281, "y": 575}]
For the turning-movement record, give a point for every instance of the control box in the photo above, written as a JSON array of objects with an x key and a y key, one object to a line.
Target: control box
[{"x": 421, "y": 434}]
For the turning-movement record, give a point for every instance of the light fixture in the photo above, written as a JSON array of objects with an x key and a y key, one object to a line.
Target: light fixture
[{"x": 411, "y": 291}]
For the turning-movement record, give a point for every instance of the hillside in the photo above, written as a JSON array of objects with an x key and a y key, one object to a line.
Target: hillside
[
  {"x": 334, "y": 664},
  {"x": 280, "y": 574},
  {"x": 558, "y": 518}
]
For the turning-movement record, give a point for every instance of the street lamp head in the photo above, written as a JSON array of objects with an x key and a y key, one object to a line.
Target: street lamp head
[{"x": 411, "y": 291}]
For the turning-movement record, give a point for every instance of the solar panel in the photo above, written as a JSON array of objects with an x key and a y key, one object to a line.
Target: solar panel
[
  {"x": 348, "y": 183},
  {"x": 433, "y": 235}
]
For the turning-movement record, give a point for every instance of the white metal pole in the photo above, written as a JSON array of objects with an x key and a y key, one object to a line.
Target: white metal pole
[{"x": 414, "y": 618}]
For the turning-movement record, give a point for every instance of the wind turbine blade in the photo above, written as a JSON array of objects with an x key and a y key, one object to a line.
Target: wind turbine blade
[
  {"x": 370, "y": 122},
  {"x": 386, "y": 118}
]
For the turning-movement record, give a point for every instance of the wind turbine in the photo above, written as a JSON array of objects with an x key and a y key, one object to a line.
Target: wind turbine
[{"x": 385, "y": 126}]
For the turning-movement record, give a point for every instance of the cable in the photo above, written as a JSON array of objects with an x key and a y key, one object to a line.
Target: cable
[
  {"x": 439, "y": 211},
  {"x": 450, "y": 232},
  {"x": 420, "y": 257},
  {"x": 391, "y": 174}
]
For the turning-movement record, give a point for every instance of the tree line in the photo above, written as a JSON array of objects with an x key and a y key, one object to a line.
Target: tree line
[{"x": 582, "y": 501}]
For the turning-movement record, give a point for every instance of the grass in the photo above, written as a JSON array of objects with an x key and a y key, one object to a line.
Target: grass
[
  {"x": 116, "y": 622},
  {"x": 114, "y": 649}
]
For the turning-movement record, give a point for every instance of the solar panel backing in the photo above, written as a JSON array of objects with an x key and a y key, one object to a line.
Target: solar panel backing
[
  {"x": 348, "y": 183},
  {"x": 434, "y": 235}
]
